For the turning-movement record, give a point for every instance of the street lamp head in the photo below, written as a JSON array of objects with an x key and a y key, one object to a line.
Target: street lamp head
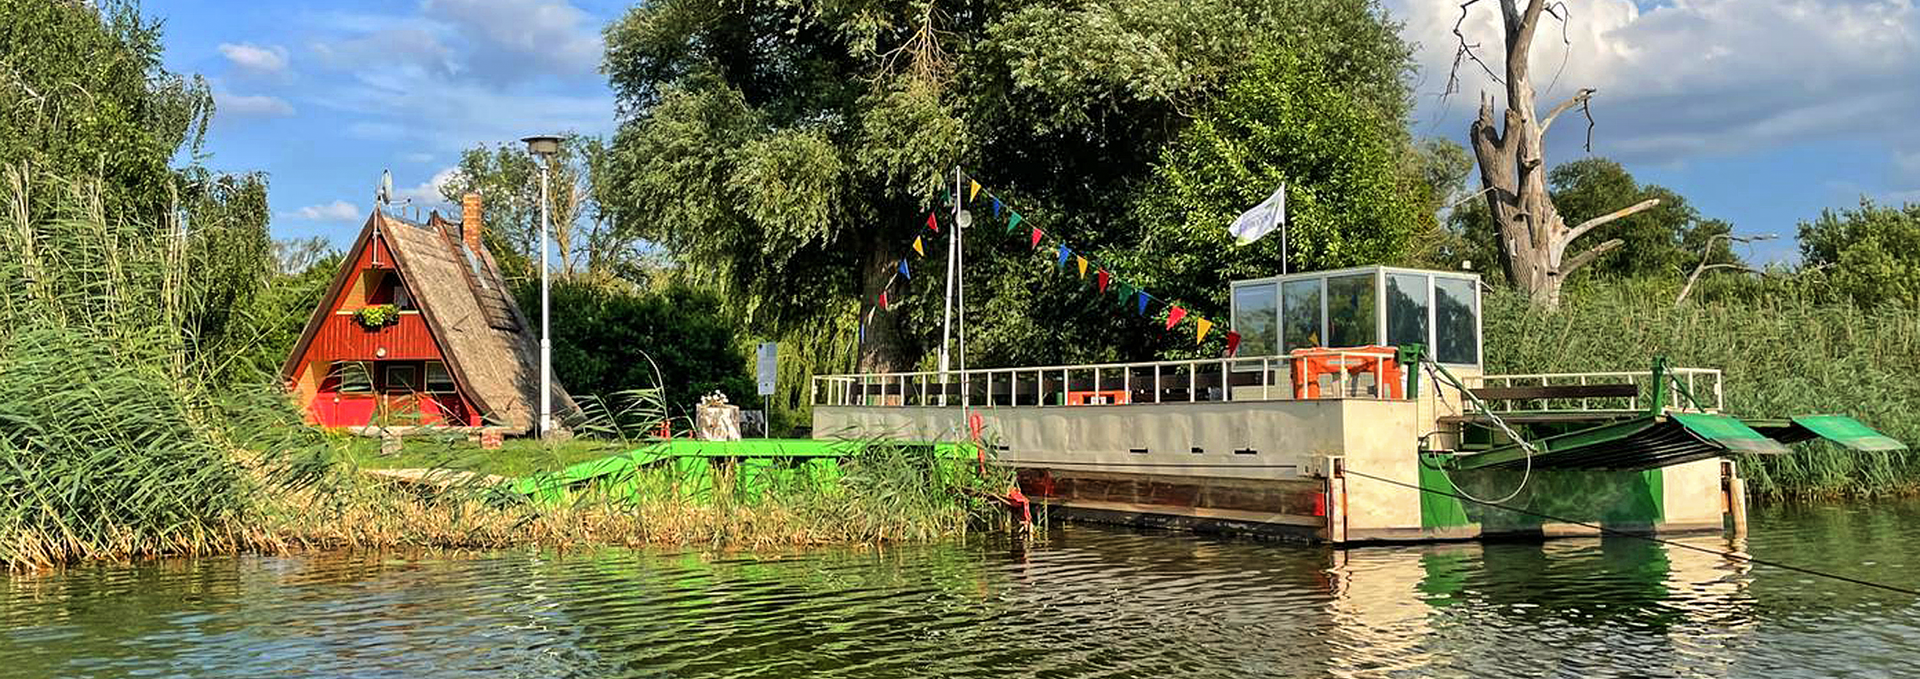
[{"x": 542, "y": 145}]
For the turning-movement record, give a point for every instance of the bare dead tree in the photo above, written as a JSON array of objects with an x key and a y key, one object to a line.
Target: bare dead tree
[{"x": 1512, "y": 159}]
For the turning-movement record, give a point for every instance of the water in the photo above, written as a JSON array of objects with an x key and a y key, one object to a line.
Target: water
[{"x": 1086, "y": 602}]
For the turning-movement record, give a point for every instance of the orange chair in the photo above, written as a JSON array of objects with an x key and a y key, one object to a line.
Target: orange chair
[{"x": 1310, "y": 363}]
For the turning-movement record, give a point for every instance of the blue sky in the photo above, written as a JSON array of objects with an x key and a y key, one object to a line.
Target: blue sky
[{"x": 1761, "y": 112}]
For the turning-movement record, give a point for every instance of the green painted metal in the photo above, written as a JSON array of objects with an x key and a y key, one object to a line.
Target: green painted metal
[
  {"x": 1643, "y": 442},
  {"x": 692, "y": 469},
  {"x": 1735, "y": 435},
  {"x": 1437, "y": 508},
  {"x": 1839, "y": 429}
]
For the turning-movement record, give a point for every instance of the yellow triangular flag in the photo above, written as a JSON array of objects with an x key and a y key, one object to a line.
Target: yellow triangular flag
[
  {"x": 976, "y": 191},
  {"x": 918, "y": 248},
  {"x": 1205, "y": 325},
  {"x": 1082, "y": 261}
]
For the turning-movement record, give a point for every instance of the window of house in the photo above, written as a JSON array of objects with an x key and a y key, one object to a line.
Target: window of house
[
  {"x": 402, "y": 378},
  {"x": 439, "y": 381},
  {"x": 349, "y": 377}
]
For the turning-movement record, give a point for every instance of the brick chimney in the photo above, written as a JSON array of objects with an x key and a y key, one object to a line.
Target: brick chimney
[{"x": 470, "y": 224}]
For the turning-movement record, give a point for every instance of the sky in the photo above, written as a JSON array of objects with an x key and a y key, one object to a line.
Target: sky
[{"x": 1760, "y": 112}]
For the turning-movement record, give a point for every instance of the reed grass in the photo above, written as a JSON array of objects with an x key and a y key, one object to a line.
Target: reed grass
[
  {"x": 118, "y": 441},
  {"x": 1783, "y": 354}
]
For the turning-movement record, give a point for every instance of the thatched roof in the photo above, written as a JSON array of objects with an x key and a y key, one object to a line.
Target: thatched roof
[{"x": 490, "y": 348}]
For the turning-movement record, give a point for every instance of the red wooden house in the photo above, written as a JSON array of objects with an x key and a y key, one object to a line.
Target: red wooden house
[{"x": 418, "y": 328}]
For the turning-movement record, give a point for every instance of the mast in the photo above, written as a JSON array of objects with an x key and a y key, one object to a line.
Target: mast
[{"x": 953, "y": 256}]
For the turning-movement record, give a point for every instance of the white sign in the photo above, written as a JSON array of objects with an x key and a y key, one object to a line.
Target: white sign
[{"x": 765, "y": 364}]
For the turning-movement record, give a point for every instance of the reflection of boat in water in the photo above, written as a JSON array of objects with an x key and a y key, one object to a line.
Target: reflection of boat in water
[{"x": 1344, "y": 440}]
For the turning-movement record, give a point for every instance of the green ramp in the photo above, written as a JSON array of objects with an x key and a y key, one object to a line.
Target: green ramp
[
  {"x": 1840, "y": 429},
  {"x": 1645, "y": 442}
]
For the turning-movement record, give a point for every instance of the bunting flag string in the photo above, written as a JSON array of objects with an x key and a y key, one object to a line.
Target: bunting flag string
[{"x": 1126, "y": 293}]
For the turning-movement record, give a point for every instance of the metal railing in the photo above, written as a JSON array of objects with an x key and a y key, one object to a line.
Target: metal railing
[
  {"x": 1687, "y": 390},
  {"x": 1263, "y": 378}
]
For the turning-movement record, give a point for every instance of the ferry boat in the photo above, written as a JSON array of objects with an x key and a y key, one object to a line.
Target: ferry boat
[{"x": 1356, "y": 410}]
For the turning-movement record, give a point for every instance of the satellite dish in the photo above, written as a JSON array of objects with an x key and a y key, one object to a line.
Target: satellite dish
[{"x": 386, "y": 187}]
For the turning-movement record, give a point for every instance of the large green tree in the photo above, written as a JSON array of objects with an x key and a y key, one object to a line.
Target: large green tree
[
  {"x": 1870, "y": 255},
  {"x": 789, "y": 152}
]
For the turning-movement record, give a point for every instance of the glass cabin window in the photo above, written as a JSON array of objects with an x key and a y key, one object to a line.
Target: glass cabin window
[
  {"x": 1256, "y": 318},
  {"x": 1352, "y": 317},
  {"x": 1407, "y": 306},
  {"x": 1456, "y": 321},
  {"x": 1300, "y": 314}
]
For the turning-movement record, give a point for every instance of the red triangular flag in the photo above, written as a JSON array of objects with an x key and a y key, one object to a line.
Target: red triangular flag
[
  {"x": 1102, "y": 278},
  {"x": 1174, "y": 314},
  {"x": 883, "y": 299},
  {"x": 1233, "y": 343},
  {"x": 933, "y": 223},
  {"x": 1036, "y": 237}
]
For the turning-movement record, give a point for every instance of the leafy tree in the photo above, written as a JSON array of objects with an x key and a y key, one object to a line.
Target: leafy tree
[
  {"x": 82, "y": 94},
  {"x": 1870, "y": 255},
  {"x": 508, "y": 180},
  {"x": 788, "y": 153},
  {"x": 1665, "y": 240},
  {"x": 614, "y": 337}
]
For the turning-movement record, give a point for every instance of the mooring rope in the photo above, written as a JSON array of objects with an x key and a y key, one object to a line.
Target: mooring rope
[
  {"x": 1525, "y": 476},
  {"x": 1651, "y": 538}
]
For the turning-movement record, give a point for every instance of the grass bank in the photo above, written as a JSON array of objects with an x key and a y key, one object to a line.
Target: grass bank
[
  {"x": 1782, "y": 354},
  {"x": 121, "y": 435}
]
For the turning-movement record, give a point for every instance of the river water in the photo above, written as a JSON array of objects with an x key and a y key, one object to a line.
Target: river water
[{"x": 1082, "y": 602}]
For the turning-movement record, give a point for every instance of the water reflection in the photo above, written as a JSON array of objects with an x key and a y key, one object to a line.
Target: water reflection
[{"x": 1085, "y": 602}]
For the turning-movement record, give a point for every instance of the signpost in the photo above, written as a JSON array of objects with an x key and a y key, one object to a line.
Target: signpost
[{"x": 765, "y": 366}]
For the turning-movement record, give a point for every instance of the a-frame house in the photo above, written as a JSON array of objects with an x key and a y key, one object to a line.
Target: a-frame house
[{"x": 418, "y": 328}]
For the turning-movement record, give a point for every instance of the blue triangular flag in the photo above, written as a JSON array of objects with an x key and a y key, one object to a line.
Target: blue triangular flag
[
  {"x": 1064, "y": 254},
  {"x": 1143, "y": 302},
  {"x": 996, "y": 207},
  {"x": 903, "y": 270}
]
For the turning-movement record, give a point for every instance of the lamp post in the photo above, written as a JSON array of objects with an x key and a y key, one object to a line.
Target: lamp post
[{"x": 543, "y": 146}]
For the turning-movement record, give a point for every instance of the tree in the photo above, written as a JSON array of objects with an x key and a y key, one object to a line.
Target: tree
[
  {"x": 1511, "y": 152},
  {"x": 1870, "y": 255},
  {"x": 786, "y": 153},
  {"x": 1658, "y": 241},
  {"x": 508, "y": 179}
]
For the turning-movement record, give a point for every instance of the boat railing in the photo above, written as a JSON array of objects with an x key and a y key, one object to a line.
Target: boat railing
[
  {"x": 1362, "y": 374},
  {"x": 1685, "y": 390}
]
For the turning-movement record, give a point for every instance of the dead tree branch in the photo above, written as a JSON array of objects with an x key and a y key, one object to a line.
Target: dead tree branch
[{"x": 1589, "y": 225}]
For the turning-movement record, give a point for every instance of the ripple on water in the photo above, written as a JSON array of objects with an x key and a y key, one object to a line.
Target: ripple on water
[{"x": 1086, "y": 602}]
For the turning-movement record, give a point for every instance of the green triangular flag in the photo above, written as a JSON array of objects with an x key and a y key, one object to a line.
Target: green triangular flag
[{"x": 1013, "y": 222}]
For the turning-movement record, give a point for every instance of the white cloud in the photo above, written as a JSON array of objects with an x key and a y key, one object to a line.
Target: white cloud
[
  {"x": 251, "y": 106},
  {"x": 1696, "y": 77},
  {"x": 427, "y": 193},
  {"x": 512, "y": 39},
  {"x": 255, "y": 59},
  {"x": 336, "y": 211}
]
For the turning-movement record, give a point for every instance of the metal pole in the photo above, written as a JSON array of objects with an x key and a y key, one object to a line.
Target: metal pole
[
  {"x": 946, "y": 324},
  {"x": 546, "y": 327}
]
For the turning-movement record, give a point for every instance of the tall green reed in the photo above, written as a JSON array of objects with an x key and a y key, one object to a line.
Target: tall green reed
[{"x": 1783, "y": 354}]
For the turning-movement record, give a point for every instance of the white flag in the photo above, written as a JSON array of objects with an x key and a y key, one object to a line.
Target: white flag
[{"x": 1262, "y": 219}]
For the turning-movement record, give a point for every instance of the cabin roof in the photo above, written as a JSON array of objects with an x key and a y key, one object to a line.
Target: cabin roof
[{"x": 486, "y": 341}]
